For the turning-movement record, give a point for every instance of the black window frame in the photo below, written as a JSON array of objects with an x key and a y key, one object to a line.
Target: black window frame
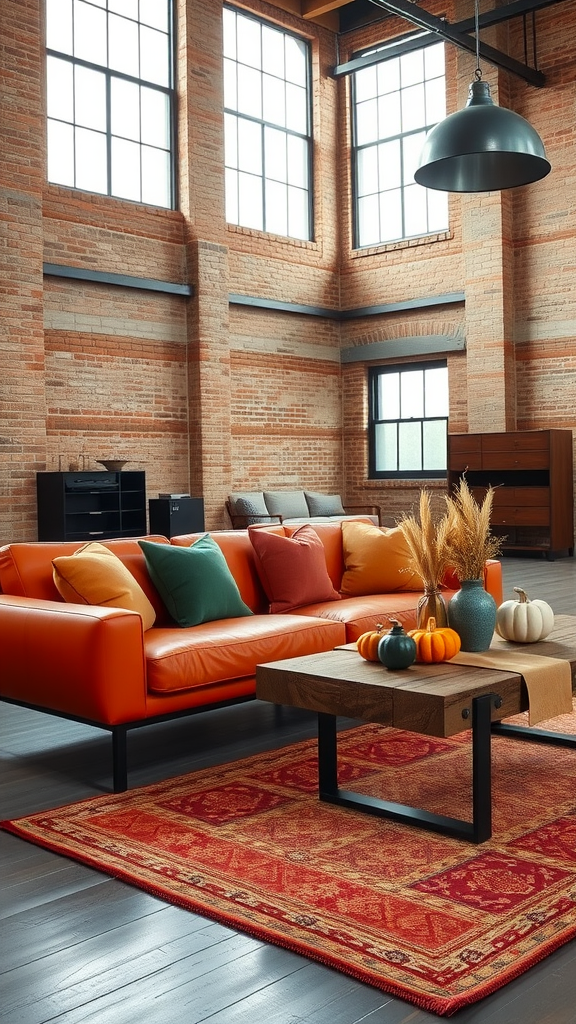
[{"x": 374, "y": 375}]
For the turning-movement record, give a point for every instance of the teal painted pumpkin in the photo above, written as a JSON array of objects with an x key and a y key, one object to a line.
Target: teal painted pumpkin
[{"x": 396, "y": 649}]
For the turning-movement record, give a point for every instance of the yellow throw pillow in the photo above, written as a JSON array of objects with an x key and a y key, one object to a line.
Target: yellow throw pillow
[
  {"x": 95, "y": 575},
  {"x": 375, "y": 560}
]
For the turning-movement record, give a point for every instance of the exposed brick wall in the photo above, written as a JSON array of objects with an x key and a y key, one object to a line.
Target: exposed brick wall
[{"x": 210, "y": 397}]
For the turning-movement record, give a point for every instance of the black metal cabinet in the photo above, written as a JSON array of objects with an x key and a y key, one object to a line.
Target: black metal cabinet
[{"x": 91, "y": 506}]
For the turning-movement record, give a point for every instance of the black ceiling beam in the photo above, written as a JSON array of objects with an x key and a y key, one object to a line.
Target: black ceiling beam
[{"x": 416, "y": 15}]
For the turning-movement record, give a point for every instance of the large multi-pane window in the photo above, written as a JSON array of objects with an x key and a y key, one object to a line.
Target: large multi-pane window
[
  {"x": 110, "y": 97},
  {"x": 408, "y": 420},
  {"x": 396, "y": 102},
  {"x": 267, "y": 127}
]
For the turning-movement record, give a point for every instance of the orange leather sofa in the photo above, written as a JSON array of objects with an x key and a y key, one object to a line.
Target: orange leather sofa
[{"x": 98, "y": 666}]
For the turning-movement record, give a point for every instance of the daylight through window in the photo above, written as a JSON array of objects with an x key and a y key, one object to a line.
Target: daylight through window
[
  {"x": 267, "y": 127},
  {"x": 408, "y": 420},
  {"x": 396, "y": 102},
  {"x": 110, "y": 97}
]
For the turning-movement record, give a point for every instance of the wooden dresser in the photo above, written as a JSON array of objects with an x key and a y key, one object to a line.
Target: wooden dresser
[{"x": 532, "y": 474}]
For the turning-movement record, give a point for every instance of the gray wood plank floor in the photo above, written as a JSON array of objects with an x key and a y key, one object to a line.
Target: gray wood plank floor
[{"x": 78, "y": 947}]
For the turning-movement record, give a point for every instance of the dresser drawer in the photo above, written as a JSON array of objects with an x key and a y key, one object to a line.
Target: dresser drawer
[
  {"x": 528, "y": 441},
  {"x": 535, "y": 459},
  {"x": 504, "y": 497},
  {"x": 521, "y": 515}
]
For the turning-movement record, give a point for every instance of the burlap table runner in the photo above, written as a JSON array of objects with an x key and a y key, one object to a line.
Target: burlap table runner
[{"x": 548, "y": 680}]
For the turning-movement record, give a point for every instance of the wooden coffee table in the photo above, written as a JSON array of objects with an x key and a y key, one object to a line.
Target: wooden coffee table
[{"x": 436, "y": 700}]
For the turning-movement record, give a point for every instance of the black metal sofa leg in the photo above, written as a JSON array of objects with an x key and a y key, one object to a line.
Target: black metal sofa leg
[{"x": 119, "y": 758}]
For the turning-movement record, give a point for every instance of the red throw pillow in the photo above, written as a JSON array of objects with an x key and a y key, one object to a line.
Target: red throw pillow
[{"x": 292, "y": 569}]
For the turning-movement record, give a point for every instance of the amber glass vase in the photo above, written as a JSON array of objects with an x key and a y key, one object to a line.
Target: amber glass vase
[{"x": 431, "y": 606}]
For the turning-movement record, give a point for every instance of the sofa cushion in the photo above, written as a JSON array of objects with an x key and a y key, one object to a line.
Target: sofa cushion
[
  {"x": 289, "y": 504},
  {"x": 250, "y": 504},
  {"x": 324, "y": 504},
  {"x": 375, "y": 560},
  {"x": 95, "y": 575},
  {"x": 195, "y": 583},
  {"x": 292, "y": 569}
]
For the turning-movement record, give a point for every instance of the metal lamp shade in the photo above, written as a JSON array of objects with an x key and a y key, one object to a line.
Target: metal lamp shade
[{"x": 482, "y": 148}]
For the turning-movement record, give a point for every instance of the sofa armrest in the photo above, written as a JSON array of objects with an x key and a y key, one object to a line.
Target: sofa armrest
[
  {"x": 80, "y": 660},
  {"x": 372, "y": 510}
]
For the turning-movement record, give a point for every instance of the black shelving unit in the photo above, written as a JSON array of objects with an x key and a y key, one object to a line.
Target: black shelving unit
[{"x": 91, "y": 506}]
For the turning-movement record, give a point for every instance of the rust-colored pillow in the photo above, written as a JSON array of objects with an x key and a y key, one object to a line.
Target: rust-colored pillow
[
  {"x": 292, "y": 569},
  {"x": 375, "y": 560},
  {"x": 95, "y": 575}
]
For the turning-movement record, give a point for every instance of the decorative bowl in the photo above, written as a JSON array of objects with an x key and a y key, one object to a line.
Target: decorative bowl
[{"x": 112, "y": 465}]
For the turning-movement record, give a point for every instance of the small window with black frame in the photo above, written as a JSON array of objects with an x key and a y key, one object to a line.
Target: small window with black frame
[{"x": 408, "y": 420}]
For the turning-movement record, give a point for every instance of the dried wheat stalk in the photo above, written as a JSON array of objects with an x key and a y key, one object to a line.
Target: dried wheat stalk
[
  {"x": 469, "y": 539},
  {"x": 427, "y": 541}
]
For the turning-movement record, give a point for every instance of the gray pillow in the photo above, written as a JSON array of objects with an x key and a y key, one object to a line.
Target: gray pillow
[
  {"x": 250, "y": 504},
  {"x": 324, "y": 504},
  {"x": 289, "y": 504}
]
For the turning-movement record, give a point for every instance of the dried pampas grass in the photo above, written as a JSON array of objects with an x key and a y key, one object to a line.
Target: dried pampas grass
[
  {"x": 428, "y": 543},
  {"x": 469, "y": 540}
]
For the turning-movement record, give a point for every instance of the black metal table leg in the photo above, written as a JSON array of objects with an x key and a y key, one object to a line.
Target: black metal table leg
[{"x": 476, "y": 831}]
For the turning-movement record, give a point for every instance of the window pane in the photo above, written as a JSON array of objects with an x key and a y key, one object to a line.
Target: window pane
[
  {"x": 437, "y": 210},
  {"x": 435, "y": 454},
  {"x": 250, "y": 201},
  {"x": 296, "y": 109},
  {"x": 297, "y": 161},
  {"x": 60, "y": 153},
  {"x": 155, "y": 13},
  {"x": 274, "y": 99},
  {"x": 368, "y": 220},
  {"x": 391, "y": 215},
  {"x": 367, "y": 171},
  {"x": 297, "y": 213},
  {"x": 125, "y": 169},
  {"x": 413, "y": 108},
  {"x": 230, "y": 85},
  {"x": 389, "y": 396},
  {"x": 249, "y": 91},
  {"x": 129, "y": 8},
  {"x": 386, "y": 452},
  {"x": 388, "y": 75},
  {"x": 366, "y": 122},
  {"x": 409, "y": 446},
  {"x": 123, "y": 45},
  {"x": 154, "y": 56},
  {"x": 389, "y": 166},
  {"x": 91, "y": 161},
  {"x": 389, "y": 119},
  {"x": 411, "y": 394},
  {"x": 435, "y": 101},
  {"x": 155, "y": 118},
  {"x": 296, "y": 60},
  {"x": 275, "y": 154},
  {"x": 249, "y": 51},
  {"x": 411, "y": 68},
  {"x": 59, "y": 89},
  {"x": 90, "y": 98},
  {"x": 276, "y": 208},
  {"x": 229, "y": 25},
  {"x": 249, "y": 147},
  {"x": 272, "y": 51},
  {"x": 365, "y": 84},
  {"x": 436, "y": 391},
  {"x": 155, "y": 176},
  {"x": 125, "y": 109},
  {"x": 434, "y": 61},
  {"x": 230, "y": 140},
  {"x": 59, "y": 25},
  {"x": 415, "y": 209},
  {"x": 231, "y": 179},
  {"x": 90, "y": 33}
]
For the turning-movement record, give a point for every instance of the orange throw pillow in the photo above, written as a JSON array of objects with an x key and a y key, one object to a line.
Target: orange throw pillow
[
  {"x": 375, "y": 560},
  {"x": 95, "y": 575},
  {"x": 292, "y": 569}
]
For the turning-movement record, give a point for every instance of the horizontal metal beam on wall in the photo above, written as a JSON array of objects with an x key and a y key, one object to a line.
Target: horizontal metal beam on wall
[
  {"x": 426, "y": 345},
  {"x": 146, "y": 284},
  {"x": 257, "y": 302}
]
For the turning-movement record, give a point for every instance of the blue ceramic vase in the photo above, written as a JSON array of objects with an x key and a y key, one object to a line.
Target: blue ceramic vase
[{"x": 472, "y": 613}]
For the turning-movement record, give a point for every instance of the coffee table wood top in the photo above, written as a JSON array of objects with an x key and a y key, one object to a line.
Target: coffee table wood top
[{"x": 432, "y": 699}]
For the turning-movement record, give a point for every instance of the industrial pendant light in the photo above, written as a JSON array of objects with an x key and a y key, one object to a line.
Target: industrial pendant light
[{"x": 482, "y": 148}]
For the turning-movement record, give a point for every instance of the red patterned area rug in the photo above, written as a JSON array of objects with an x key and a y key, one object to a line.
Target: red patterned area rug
[{"x": 436, "y": 921}]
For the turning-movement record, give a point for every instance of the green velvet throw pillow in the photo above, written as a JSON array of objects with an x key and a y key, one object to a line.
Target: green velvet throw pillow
[{"x": 195, "y": 583}]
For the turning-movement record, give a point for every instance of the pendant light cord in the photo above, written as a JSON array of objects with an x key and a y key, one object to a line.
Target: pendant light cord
[{"x": 478, "y": 72}]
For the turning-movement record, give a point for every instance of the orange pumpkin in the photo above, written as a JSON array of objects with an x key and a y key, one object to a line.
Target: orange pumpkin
[
  {"x": 367, "y": 644},
  {"x": 434, "y": 644}
]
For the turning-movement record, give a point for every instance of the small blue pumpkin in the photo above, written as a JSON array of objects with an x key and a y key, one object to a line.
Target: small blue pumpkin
[{"x": 396, "y": 649}]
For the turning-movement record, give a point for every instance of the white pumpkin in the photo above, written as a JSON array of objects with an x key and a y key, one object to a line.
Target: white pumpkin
[{"x": 523, "y": 620}]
